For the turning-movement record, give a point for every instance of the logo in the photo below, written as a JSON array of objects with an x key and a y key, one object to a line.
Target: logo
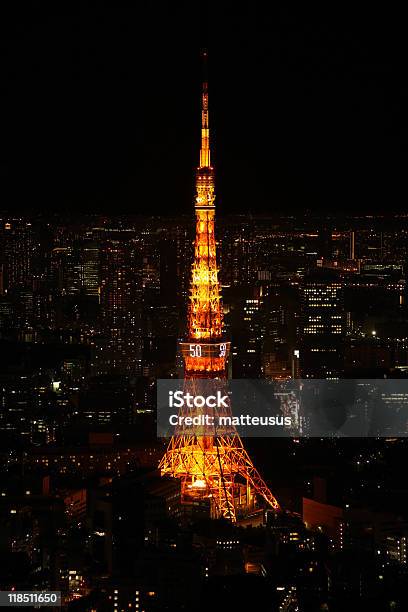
[{"x": 178, "y": 399}]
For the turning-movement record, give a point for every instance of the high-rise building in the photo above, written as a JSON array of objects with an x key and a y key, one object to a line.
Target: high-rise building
[
  {"x": 322, "y": 327},
  {"x": 75, "y": 268},
  {"x": 121, "y": 303},
  {"x": 16, "y": 255},
  {"x": 245, "y": 323},
  {"x": 90, "y": 268},
  {"x": 237, "y": 255}
]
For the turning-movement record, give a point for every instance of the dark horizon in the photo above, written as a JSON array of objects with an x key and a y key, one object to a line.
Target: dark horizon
[{"x": 102, "y": 109}]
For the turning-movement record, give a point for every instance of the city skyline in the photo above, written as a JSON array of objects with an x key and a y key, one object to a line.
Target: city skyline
[
  {"x": 290, "y": 310},
  {"x": 90, "y": 315}
]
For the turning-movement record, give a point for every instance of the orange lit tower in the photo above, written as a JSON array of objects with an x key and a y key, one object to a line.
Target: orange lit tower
[{"x": 211, "y": 464}]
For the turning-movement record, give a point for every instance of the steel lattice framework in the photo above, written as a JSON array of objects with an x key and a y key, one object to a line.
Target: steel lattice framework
[{"x": 211, "y": 464}]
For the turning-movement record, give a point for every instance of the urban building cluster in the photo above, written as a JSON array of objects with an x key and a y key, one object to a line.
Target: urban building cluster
[{"x": 91, "y": 313}]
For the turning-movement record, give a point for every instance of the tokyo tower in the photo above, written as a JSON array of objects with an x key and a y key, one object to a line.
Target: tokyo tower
[{"x": 211, "y": 465}]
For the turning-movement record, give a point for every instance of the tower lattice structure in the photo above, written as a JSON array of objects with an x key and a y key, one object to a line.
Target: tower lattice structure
[{"x": 211, "y": 464}]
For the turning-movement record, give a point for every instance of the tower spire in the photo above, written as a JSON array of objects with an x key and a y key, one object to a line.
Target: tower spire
[
  {"x": 205, "y": 129},
  {"x": 205, "y": 312}
]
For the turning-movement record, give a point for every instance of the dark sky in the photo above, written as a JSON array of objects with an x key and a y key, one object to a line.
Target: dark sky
[{"x": 101, "y": 107}]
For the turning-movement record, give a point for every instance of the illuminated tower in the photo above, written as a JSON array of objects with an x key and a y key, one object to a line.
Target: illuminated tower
[{"x": 211, "y": 465}]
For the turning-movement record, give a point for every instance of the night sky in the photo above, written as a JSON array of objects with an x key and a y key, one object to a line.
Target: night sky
[{"x": 101, "y": 107}]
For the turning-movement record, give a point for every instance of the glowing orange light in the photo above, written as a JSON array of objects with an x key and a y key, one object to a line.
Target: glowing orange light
[{"x": 215, "y": 468}]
